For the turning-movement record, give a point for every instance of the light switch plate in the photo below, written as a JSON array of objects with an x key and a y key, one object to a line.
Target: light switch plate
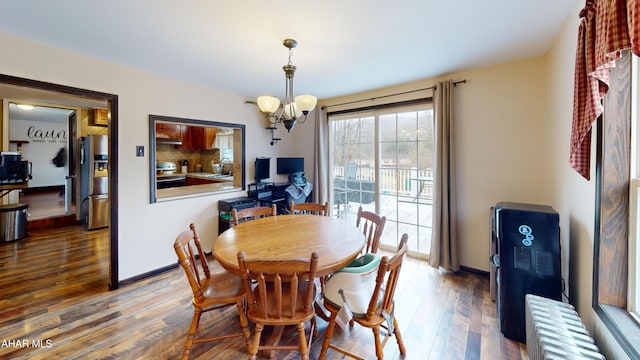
[{"x": 139, "y": 151}]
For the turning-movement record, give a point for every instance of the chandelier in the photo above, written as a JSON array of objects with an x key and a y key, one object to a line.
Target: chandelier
[{"x": 294, "y": 109}]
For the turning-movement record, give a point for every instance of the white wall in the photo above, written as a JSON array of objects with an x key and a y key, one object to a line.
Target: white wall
[
  {"x": 44, "y": 138},
  {"x": 498, "y": 129},
  {"x": 146, "y": 231}
]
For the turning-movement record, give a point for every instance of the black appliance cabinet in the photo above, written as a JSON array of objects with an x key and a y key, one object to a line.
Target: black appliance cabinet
[{"x": 526, "y": 239}]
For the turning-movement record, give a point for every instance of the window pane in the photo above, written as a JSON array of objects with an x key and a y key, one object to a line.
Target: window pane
[
  {"x": 353, "y": 166},
  {"x": 407, "y": 127},
  {"x": 425, "y": 126},
  {"x": 388, "y": 127},
  {"x": 368, "y": 130}
]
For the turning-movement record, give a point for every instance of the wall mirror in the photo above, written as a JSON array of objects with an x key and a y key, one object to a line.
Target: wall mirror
[{"x": 190, "y": 157}]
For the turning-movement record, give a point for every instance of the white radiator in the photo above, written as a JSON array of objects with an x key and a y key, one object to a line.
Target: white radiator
[{"x": 554, "y": 331}]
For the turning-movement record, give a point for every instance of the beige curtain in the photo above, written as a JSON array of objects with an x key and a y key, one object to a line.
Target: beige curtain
[
  {"x": 444, "y": 244},
  {"x": 321, "y": 156}
]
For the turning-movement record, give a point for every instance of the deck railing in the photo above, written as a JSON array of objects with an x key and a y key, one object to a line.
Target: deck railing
[
  {"x": 393, "y": 181},
  {"x": 354, "y": 186}
]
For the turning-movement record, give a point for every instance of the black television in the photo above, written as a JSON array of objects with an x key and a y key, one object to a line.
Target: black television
[
  {"x": 289, "y": 165},
  {"x": 262, "y": 169}
]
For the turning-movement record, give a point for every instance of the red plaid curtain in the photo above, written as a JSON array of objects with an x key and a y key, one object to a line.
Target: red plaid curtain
[{"x": 607, "y": 27}]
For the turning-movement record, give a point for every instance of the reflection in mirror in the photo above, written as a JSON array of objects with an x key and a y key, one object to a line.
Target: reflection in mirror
[{"x": 190, "y": 157}]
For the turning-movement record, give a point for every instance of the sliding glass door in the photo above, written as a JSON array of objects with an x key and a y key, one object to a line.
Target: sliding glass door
[{"x": 382, "y": 160}]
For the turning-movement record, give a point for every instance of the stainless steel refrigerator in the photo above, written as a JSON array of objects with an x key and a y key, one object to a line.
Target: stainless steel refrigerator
[{"x": 94, "y": 154}]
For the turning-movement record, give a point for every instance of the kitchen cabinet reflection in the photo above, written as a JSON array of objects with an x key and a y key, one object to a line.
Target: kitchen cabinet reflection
[{"x": 189, "y": 157}]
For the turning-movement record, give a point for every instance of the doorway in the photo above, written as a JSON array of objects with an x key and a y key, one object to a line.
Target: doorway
[
  {"x": 41, "y": 135},
  {"x": 60, "y": 96}
]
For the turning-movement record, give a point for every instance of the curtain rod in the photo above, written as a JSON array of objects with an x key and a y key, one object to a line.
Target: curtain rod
[{"x": 455, "y": 83}]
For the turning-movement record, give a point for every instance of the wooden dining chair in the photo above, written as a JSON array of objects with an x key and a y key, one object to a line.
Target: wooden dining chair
[
  {"x": 314, "y": 209},
  {"x": 380, "y": 312},
  {"x": 372, "y": 226},
  {"x": 211, "y": 291},
  {"x": 309, "y": 208},
  {"x": 283, "y": 294},
  {"x": 251, "y": 213}
]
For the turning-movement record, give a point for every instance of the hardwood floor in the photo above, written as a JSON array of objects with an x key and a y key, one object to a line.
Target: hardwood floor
[
  {"x": 46, "y": 208},
  {"x": 45, "y": 202},
  {"x": 54, "y": 291}
]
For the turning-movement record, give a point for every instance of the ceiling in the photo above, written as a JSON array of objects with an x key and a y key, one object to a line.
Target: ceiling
[
  {"x": 39, "y": 113},
  {"x": 344, "y": 46}
]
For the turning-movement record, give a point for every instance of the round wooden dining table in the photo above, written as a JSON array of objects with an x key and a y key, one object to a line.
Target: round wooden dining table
[{"x": 337, "y": 242}]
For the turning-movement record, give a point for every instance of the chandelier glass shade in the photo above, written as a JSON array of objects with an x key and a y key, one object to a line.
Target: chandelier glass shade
[
  {"x": 294, "y": 109},
  {"x": 268, "y": 104}
]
